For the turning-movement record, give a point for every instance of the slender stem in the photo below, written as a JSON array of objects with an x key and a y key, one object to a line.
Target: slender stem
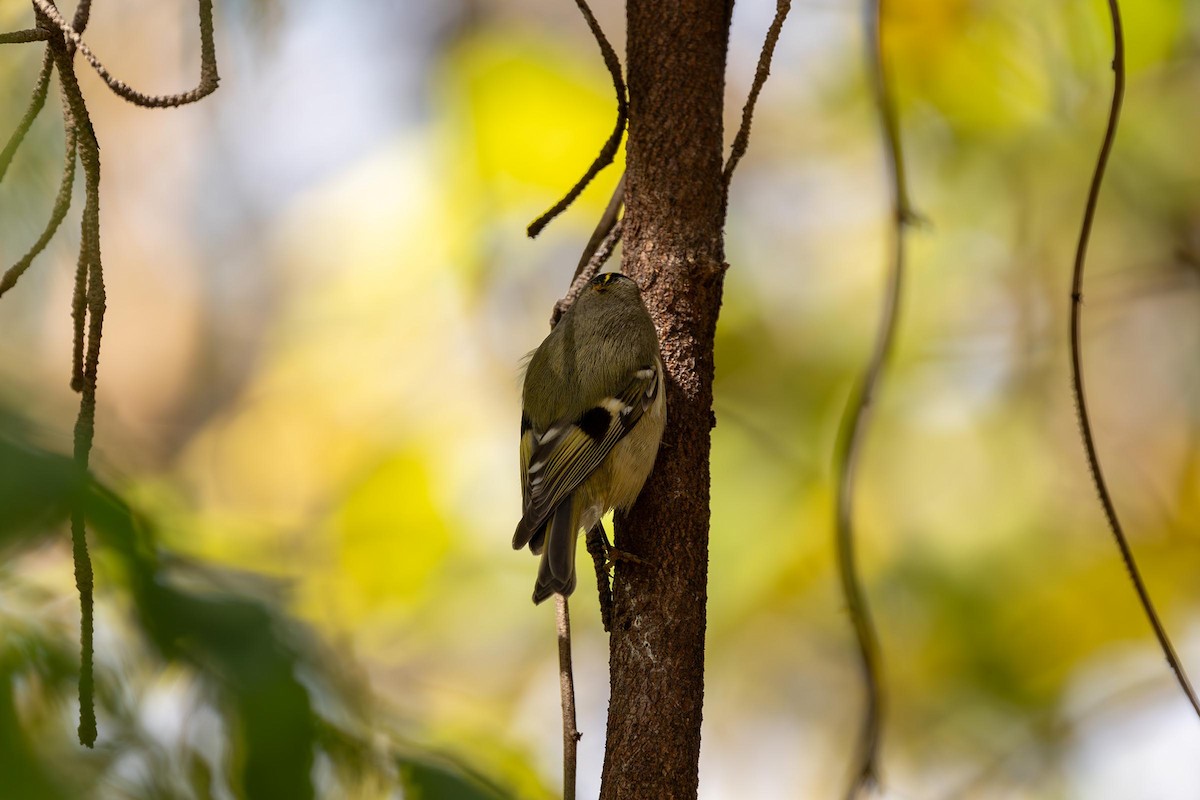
[
  {"x": 596, "y": 252},
  {"x": 609, "y": 151},
  {"x": 24, "y": 36},
  {"x": 608, "y": 221},
  {"x": 36, "y": 103},
  {"x": 866, "y": 770},
  {"x": 205, "y": 86},
  {"x": 1085, "y": 425},
  {"x": 83, "y": 12},
  {"x": 566, "y": 682},
  {"x": 62, "y": 203},
  {"x": 742, "y": 139},
  {"x": 598, "y": 259}
]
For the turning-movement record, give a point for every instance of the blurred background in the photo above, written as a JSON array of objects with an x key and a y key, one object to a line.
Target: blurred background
[{"x": 319, "y": 291}]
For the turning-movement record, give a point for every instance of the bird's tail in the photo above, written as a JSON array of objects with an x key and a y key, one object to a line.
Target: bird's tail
[{"x": 556, "y": 572}]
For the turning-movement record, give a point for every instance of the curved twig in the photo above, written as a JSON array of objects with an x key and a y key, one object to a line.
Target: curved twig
[
  {"x": 566, "y": 682},
  {"x": 761, "y": 72},
  {"x": 866, "y": 772},
  {"x": 609, "y": 150},
  {"x": 62, "y": 202},
  {"x": 1085, "y": 425},
  {"x": 208, "y": 59},
  {"x": 36, "y": 101}
]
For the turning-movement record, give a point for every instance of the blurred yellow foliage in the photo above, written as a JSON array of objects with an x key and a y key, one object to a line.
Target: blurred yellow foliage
[
  {"x": 980, "y": 64},
  {"x": 529, "y": 114},
  {"x": 389, "y": 539}
]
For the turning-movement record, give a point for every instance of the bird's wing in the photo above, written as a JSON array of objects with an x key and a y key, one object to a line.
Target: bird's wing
[
  {"x": 528, "y": 440},
  {"x": 556, "y": 461}
]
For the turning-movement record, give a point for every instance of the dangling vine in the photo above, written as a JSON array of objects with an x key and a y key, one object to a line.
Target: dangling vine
[
  {"x": 63, "y": 40},
  {"x": 1076, "y": 345},
  {"x": 866, "y": 767}
]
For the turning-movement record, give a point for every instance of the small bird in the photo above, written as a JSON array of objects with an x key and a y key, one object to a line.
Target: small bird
[{"x": 593, "y": 410}]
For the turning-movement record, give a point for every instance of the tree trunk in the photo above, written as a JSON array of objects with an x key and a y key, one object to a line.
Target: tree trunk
[{"x": 674, "y": 249}]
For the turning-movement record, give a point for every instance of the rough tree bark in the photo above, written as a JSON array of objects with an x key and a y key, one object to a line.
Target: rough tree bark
[{"x": 674, "y": 249}]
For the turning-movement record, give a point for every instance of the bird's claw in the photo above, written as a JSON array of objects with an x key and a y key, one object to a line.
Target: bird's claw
[{"x": 613, "y": 555}]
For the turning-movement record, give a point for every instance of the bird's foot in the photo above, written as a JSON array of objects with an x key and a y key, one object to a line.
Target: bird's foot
[{"x": 614, "y": 555}]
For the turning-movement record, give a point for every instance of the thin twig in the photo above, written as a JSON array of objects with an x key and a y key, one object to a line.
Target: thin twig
[
  {"x": 609, "y": 151},
  {"x": 1085, "y": 425},
  {"x": 866, "y": 771},
  {"x": 83, "y": 12},
  {"x": 607, "y": 220},
  {"x": 597, "y": 251},
  {"x": 25, "y": 36},
  {"x": 208, "y": 60},
  {"x": 599, "y": 246},
  {"x": 599, "y": 258},
  {"x": 62, "y": 202},
  {"x": 566, "y": 682},
  {"x": 597, "y": 547},
  {"x": 36, "y": 101},
  {"x": 761, "y": 72}
]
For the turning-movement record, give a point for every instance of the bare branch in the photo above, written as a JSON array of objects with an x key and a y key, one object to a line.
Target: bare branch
[
  {"x": 609, "y": 151},
  {"x": 208, "y": 60},
  {"x": 1085, "y": 425},
  {"x": 36, "y": 102},
  {"x": 854, "y": 429},
  {"x": 25, "y": 36},
  {"x": 590, "y": 270},
  {"x": 597, "y": 251},
  {"x": 566, "y": 681},
  {"x": 742, "y": 139},
  {"x": 83, "y": 12},
  {"x": 607, "y": 220}
]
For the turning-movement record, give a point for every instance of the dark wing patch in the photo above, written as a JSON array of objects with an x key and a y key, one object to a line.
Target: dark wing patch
[{"x": 595, "y": 422}]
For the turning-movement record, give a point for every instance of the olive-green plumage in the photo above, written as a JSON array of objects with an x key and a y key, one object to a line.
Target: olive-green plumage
[{"x": 593, "y": 410}]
